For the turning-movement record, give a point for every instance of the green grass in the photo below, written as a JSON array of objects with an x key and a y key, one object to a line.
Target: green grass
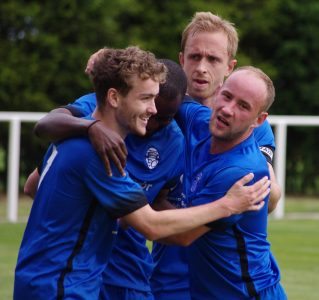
[{"x": 295, "y": 244}]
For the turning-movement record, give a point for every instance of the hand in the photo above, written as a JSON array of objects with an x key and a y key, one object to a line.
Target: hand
[
  {"x": 109, "y": 145},
  {"x": 242, "y": 198}
]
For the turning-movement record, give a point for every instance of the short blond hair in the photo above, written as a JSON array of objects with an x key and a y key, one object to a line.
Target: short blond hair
[{"x": 208, "y": 22}]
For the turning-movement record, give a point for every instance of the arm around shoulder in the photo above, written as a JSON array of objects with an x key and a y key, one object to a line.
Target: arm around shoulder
[{"x": 59, "y": 124}]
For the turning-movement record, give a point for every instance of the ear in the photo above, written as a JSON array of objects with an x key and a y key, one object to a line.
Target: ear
[
  {"x": 112, "y": 97},
  {"x": 260, "y": 119},
  {"x": 181, "y": 58},
  {"x": 230, "y": 67}
]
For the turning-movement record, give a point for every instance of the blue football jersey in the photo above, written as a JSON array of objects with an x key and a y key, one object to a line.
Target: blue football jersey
[
  {"x": 72, "y": 224},
  {"x": 234, "y": 258},
  {"x": 171, "y": 269},
  {"x": 155, "y": 163}
]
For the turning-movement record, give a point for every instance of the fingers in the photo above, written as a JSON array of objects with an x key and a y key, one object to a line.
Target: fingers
[
  {"x": 107, "y": 165},
  {"x": 265, "y": 194},
  {"x": 121, "y": 153},
  {"x": 257, "y": 206},
  {"x": 247, "y": 178},
  {"x": 117, "y": 162}
]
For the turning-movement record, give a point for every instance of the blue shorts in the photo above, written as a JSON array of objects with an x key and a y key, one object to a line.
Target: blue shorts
[
  {"x": 275, "y": 292},
  {"x": 111, "y": 292},
  {"x": 173, "y": 295}
]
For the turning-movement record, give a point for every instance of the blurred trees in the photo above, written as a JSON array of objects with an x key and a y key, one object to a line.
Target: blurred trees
[{"x": 44, "y": 47}]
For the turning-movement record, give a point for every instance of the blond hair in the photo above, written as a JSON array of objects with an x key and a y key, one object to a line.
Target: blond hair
[{"x": 208, "y": 22}]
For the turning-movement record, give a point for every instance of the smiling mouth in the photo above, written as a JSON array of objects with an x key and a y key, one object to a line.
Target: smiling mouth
[{"x": 145, "y": 119}]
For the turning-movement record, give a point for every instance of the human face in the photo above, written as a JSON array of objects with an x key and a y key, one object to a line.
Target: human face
[
  {"x": 238, "y": 108},
  {"x": 166, "y": 110},
  {"x": 135, "y": 109},
  {"x": 206, "y": 62}
]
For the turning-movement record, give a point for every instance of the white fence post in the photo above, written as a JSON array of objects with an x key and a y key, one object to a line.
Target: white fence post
[
  {"x": 13, "y": 169},
  {"x": 15, "y": 119},
  {"x": 280, "y": 166}
]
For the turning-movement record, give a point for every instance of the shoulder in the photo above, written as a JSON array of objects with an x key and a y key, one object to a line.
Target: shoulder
[{"x": 264, "y": 135}]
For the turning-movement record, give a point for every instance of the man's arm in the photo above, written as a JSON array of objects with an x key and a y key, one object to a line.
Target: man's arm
[
  {"x": 156, "y": 225},
  {"x": 31, "y": 184},
  {"x": 275, "y": 191},
  {"x": 60, "y": 124}
]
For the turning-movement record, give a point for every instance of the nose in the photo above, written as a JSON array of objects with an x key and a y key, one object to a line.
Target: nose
[
  {"x": 202, "y": 66},
  {"x": 151, "y": 109},
  {"x": 228, "y": 109}
]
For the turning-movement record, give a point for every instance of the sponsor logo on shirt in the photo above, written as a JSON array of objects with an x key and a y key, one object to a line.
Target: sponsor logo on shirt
[
  {"x": 196, "y": 181},
  {"x": 152, "y": 158},
  {"x": 146, "y": 186}
]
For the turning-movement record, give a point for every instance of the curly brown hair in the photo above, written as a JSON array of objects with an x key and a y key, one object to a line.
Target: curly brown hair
[{"x": 114, "y": 68}]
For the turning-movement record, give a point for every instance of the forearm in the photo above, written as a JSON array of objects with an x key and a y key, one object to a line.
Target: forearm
[
  {"x": 186, "y": 238},
  {"x": 60, "y": 124},
  {"x": 31, "y": 184},
  {"x": 157, "y": 225},
  {"x": 275, "y": 191}
]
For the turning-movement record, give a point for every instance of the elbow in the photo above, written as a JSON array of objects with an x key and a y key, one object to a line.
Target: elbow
[
  {"x": 151, "y": 234},
  {"x": 39, "y": 128},
  {"x": 185, "y": 243}
]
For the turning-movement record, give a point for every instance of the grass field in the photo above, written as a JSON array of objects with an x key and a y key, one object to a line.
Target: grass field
[{"x": 295, "y": 244}]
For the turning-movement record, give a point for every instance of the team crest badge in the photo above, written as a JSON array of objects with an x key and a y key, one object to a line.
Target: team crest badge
[{"x": 152, "y": 158}]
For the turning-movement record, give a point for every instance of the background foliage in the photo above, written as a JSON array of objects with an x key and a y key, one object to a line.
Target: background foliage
[{"x": 45, "y": 46}]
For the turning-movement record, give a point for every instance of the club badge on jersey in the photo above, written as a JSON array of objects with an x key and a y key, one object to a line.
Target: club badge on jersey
[{"x": 152, "y": 158}]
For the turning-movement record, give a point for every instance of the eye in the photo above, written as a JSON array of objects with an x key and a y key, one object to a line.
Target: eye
[
  {"x": 244, "y": 105},
  {"x": 195, "y": 57},
  {"x": 226, "y": 96},
  {"x": 212, "y": 59}
]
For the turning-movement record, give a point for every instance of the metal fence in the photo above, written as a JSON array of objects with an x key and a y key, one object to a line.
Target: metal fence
[{"x": 280, "y": 124}]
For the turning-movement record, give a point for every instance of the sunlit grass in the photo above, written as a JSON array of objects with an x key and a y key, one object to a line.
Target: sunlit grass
[{"x": 295, "y": 244}]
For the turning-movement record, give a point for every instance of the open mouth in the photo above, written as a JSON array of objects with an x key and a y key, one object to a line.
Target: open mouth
[
  {"x": 200, "y": 82},
  {"x": 222, "y": 120}
]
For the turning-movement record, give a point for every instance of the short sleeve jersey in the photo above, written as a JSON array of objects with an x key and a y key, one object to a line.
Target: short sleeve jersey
[
  {"x": 171, "y": 268},
  {"x": 234, "y": 258},
  {"x": 154, "y": 163},
  {"x": 72, "y": 224}
]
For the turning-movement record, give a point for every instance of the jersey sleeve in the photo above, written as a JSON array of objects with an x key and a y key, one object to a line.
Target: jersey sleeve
[
  {"x": 83, "y": 106},
  {"x": 184, "y": 113},
  {"x": 193, "y": 119},
  {"x": 119, "y": 195},
  {"x": 266, "y": 140}
]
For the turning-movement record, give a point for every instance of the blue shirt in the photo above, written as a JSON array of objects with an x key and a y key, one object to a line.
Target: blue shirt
[
  {"x": 171, "y": 268},
  {"x": 153, "y": 162},
  {"x": 72, "y": 224},
  {"x": 234, "y": 258}
]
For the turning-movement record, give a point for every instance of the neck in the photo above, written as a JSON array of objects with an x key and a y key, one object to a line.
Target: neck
[
  {"x": 220, "y": 145},
  {"x": 109, "y": 120},
  {"x": 207, "y": 101}
]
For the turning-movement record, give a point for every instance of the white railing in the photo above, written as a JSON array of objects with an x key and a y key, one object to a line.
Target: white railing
[
  {"x": 280, "y": 124},
  {"x": 15, "y": 119}
]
